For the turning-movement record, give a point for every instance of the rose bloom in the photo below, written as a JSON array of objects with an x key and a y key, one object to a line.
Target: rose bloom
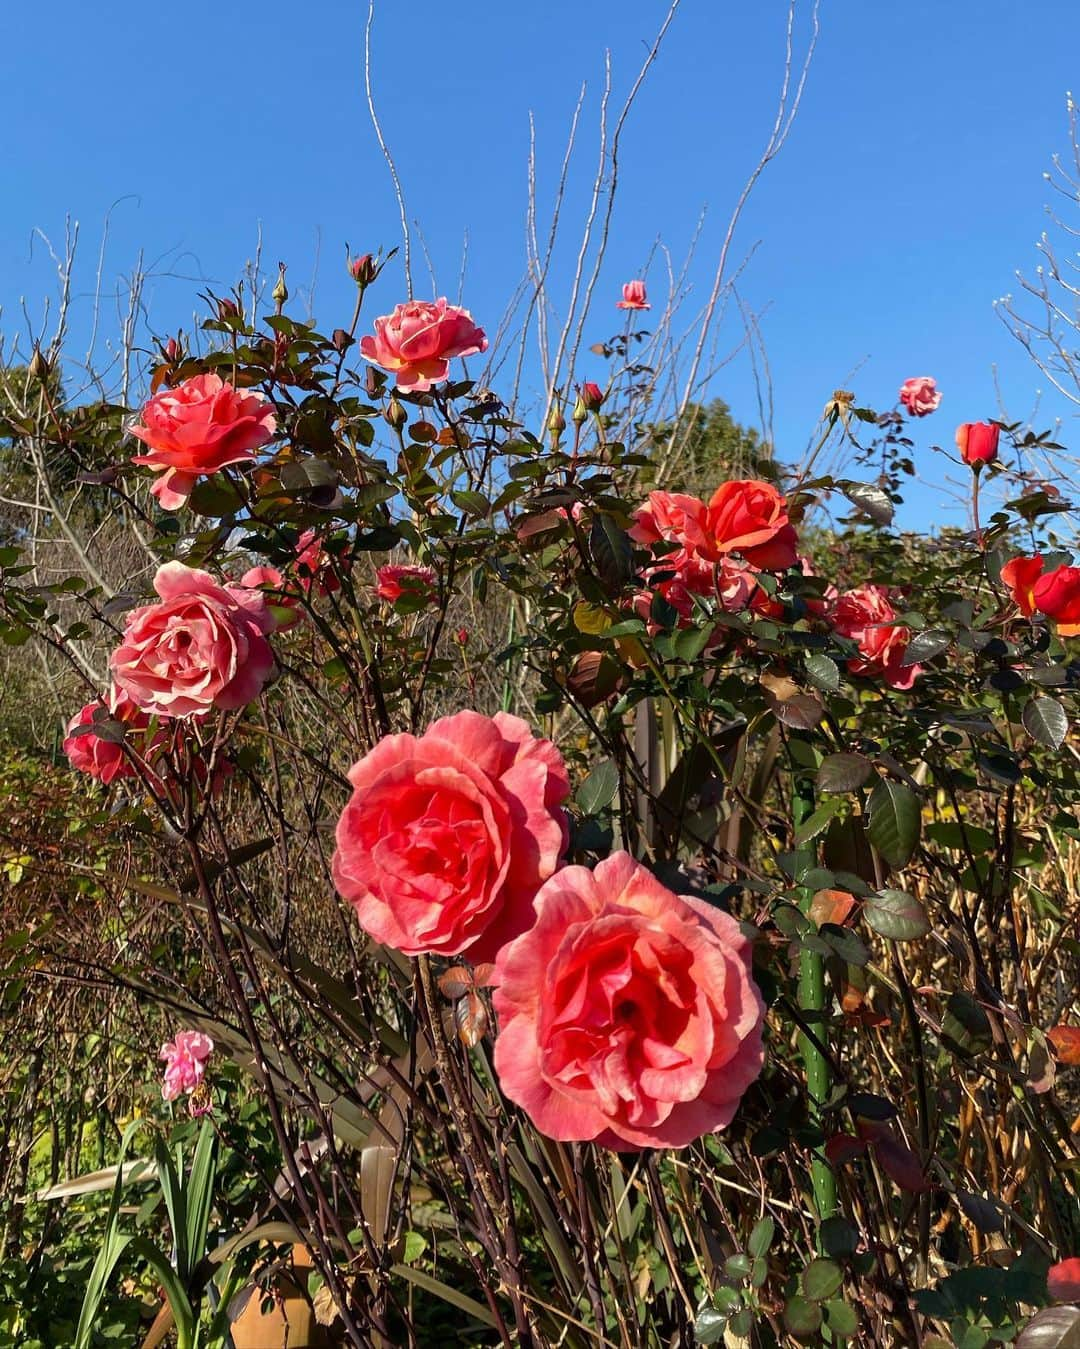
[
  {"x": 978, "y": 443},
  {"x": 202, "y": 646},
  {"x": 282, "y": 606},
  {"x": 866, "y": 617},
  {"x": 750, "y": 517},
  {"x": 1057, "y": 595},
  {"x": 920, "y": 395},
  {"x": 627, "y": 1014},
  {"x": 417, "y": 341},
  {"x": 393, "y": 581},
  {"x": 314, "y": 565},
  {"x": 1063, "y": 1280},
  {"x": 1019, "y": 576},
  {"x": 185, "y": 1062},
  {"x": 449, "y": 835},
  {"x": 201, "y": 426},
  {"x": 633, "y": 296},
  {"x": 103, "y": 759}
]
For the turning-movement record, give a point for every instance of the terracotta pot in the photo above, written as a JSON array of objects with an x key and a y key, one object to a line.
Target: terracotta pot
[{"x": 291, "y": 1323}]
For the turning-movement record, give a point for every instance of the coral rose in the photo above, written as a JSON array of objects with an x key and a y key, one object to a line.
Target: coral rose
[
  {"x": 866, "y": 617},
  {"x": 633, "y": 296},
  {"x": 978, "y": 443},
  {"x": 201, "y": 426},
  {"x": 627, "y": 1014},
  {"x": 393, "y": 581},
  {"x": 449, "y": 835},
  {"x": 920, "y": 395},
  {"x": 1057, "y": 595},
  {"x": 314, "y": 565},
  {"x": 1019, "y": 576},
  {"x": 89, "y": 753},
  {"x": 202, "y": 646},
  {"x": 282, "y": 605},
  {"x": 750, "y": 517},
  {"x": 417, "y": 341},
  {"x": 185, "y": 1062}
]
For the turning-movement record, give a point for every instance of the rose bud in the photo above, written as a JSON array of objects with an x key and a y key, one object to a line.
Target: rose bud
[
  {"x": 978, "y": 443},
  {"x": 592, "y": 396},
  {"x": 363, "y": 270}
]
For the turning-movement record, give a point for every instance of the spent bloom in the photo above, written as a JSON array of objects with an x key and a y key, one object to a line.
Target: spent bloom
[
  {"x": 633, "y": 296},
  {"x": 103, "y": 758},
  {"x": 920, "y": 395},
  {"x": 201, "y": 426},
  {"x": 418, "y": 340},
  {"x": 449, "y": 834},
  {"x": 314, "y": 564},
  {"x": 185, "y": 1062},
  {"x": 628, "y": 1015}
]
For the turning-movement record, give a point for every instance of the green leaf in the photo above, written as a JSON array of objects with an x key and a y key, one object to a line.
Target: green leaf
[
  {"x": 926, "y": 645},
  {"x": 803, "y": 1317},
  {"x": 200, "y": 1195},
  {"x": 823, "y": 672},
  {"x": 896, "y": 915},
  {"x": 816, "y": 822},
  {"x": 709, "y": 1326},
  {"x": 965, "y": 1026},
  {"x": 843, "y": 772},
  {"x": 894, "y": 821},
  {"x": 821, "y": 1278},
  {"x": 872, "y": 501},
  {"x": 1045, "y": 721},
  {"x": 1054, "y": 1328},
  {"x": 841, "y": 1318},
  {"x": 761, "y": 1237},
  {"x": 599, "y": 788}
]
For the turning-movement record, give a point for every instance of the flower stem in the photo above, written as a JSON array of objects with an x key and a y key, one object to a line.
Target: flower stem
[{"x": 812, "y": 1002}]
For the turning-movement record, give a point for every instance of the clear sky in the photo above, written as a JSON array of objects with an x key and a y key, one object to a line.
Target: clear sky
[{"x": 911, "y": 189}]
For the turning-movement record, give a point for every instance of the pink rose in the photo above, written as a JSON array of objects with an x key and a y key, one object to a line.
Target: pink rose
[
  {"x": 393, "y": 581},
  {"x": 199, "y": 427},
  {"x": 1063, "y": 1280},
  {"x": 314, "y": 565},
  {"x": 449, "y": 835},
  {"x": 417, "y": 341},
  {"x": 750, "y": 517},
  {"x": 203, "y": 645},
  {"x": 185, "y": 1062},
  {"x": 866, "y": 617},
  {"x": 103, "y": 759},
  {"x": 282, "y": 606},
  {"x": 627, "y": 1014},
  {"x": 920, "y": 395},
  {"x": 633, "y": 296}
]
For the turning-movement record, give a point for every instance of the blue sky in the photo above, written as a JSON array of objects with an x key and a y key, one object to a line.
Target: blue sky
[{"x": 910, "y": 191}]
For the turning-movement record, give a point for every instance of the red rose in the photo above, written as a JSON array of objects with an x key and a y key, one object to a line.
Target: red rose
[
  {"x": 1063, "y": 1280},
  {"x": 978, "y": 443},
  {"x": 203, "y": 645},
  {"x": 449, "y": 835},
  {"x": 201, "y": 426},
  {"x": 1019, "y": 576},
  {"x": 1057, "y": 595},
  {"x": 417, "y": 341},
  {"x": 866, "y": 617},
  {"x": 751, "y": 518},
  {"x": 89, "y": 753},
  {"x": 627, "y": 1014}
]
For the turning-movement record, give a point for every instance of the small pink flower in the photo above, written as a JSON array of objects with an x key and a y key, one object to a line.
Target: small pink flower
[
  {"x": 1063, "y": 1280},
  {"x": 201, "y": 426},
  {"x": 448, "y": 835},
  {"x": 978, "y": 443},
  {"x": 920, "y": 395},
  {"x": 865, "y": 616},
  {"x": 418, "y": 340},
  {"x": 628, "y": 1015},
  {"x": 89, "y": 753},
  {"x": 283, "y": 607},
  {"x": 314, "y": 565},
  {"x": 185, "y": 1062},
  {"x": 393, "y": 581},
  {"x": 201, "y": 646},
  {"x": 633, "y": 296}
]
